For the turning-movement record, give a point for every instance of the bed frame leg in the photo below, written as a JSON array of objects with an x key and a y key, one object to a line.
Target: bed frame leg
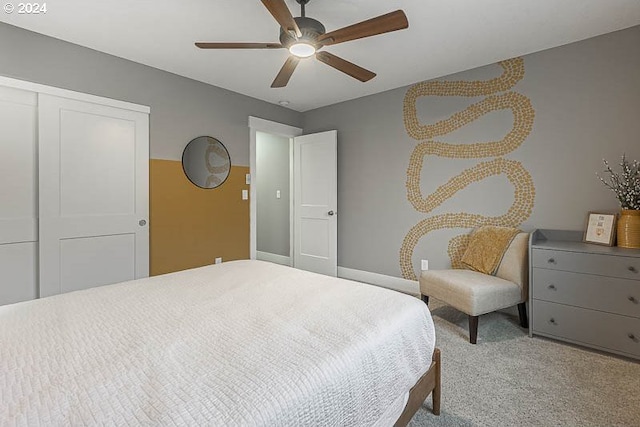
[
  {"x": 435, "y": 395},
  {"x": 429, "y": 383}
]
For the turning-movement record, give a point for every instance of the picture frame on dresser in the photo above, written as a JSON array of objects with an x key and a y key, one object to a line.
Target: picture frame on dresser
[{"x": 600, "y": 228}]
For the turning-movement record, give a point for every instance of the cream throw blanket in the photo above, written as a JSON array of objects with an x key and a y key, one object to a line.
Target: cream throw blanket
[{"x": 486, "y": 248}]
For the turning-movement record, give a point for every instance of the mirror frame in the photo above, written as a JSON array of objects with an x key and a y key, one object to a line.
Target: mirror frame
[{"x": 184, "y": 170}]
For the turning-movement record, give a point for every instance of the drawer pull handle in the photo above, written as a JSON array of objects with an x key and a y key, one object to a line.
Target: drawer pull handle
[
  {"x": 551, "y": 261},
  {"x": 551, "y": 286},
  {"x": 633, "y": 300},
  {"x": 632, "y": 269},
  {"x": 552, "y": 321},
  {"x": 631, "y": 336}
]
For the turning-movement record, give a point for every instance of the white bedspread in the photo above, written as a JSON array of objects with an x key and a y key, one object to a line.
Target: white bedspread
[{"x": 239, "y": 343}]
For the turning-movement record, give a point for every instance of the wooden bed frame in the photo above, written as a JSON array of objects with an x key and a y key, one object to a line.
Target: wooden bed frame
[{"x": 428, "y": 383}]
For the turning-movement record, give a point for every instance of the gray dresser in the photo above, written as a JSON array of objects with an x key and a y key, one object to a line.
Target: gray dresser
[{"x": 583, "y": 293}]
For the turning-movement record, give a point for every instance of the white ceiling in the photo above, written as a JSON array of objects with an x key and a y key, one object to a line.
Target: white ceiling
[{"x": 444, "y": 36}]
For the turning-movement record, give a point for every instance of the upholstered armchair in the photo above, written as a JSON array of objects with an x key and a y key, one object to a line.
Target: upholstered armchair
[{"x": 476, "y": 293}]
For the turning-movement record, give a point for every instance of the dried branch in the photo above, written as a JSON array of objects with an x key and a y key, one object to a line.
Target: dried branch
[{"x": 625, "y": 185}]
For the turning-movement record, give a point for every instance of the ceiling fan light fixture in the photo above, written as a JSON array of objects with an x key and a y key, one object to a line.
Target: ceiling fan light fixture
[
  {"x": 302, "y": 49},
  {"x": 304, "y": 37}
]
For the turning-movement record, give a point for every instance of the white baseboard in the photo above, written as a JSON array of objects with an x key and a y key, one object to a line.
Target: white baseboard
[
  {"x": 277, "y": 259},
  {"x": 396, "y": 283}
]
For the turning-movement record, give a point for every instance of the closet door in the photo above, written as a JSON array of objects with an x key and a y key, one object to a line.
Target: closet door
[
  {"x": 94, "y": 191},
  {"x": 18, "y": 196}
]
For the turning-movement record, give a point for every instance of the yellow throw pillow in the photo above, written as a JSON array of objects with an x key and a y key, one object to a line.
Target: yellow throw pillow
[{"x": 487, "y": 246}]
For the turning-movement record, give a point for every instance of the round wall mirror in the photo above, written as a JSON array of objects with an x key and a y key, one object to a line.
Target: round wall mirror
[{"x": 206, "y": 162}]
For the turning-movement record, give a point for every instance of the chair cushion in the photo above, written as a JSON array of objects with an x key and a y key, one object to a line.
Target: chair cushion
[
  {"x": 469, "y": 291},
  {"x": 487, "y": 245}
]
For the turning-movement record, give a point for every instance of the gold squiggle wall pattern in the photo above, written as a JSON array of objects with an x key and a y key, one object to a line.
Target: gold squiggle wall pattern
[{"x": 524, "y": 190}]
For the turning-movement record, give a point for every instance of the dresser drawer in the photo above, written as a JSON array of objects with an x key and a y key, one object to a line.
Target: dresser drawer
[
  {"x": 613, "y": 295},
  {"x": 604, "y": 265},
  {"x": 604, "y": 330}
]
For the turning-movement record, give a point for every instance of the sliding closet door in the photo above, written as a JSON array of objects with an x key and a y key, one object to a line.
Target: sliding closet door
[
  {"x": 18, "y": 196},
  {"x": 94, "y": 181}
]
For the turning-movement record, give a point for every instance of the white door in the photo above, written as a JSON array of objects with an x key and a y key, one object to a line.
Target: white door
[
  {"x": 94, "y": 191},
  {"x": 316, "y": 202},
  {"x": 18, "y": 195}
]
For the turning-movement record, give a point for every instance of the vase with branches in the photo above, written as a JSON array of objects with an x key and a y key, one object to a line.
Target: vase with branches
[{"x": 626, "y": 186}]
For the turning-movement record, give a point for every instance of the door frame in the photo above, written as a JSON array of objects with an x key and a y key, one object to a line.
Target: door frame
[
  {"x": 257, "y": 124},
  {"x": 71, "y": 94}
]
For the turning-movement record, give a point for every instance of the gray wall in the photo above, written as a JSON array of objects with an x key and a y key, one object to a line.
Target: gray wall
[
  {"x": 183, "y": 235},
  {"x": 586, "y": 98},
  {"x": 181, "y": 109},
  {"x": 272, "y": 174}
]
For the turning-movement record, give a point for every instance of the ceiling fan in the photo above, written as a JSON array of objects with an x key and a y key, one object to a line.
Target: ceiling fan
[{"x": 305, "y": 37}]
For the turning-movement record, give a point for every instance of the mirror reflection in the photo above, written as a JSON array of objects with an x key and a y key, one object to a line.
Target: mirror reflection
[{"x": 206, "y": 162}]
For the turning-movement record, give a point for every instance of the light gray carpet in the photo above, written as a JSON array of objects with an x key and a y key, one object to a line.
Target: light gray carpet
[{"x": 509, "y": 379}]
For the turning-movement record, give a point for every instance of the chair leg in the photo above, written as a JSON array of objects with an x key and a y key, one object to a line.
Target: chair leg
[
  {"x": 522, "y": 311},
  {"x": 425, "y": 298},
  {"x": 473, "y": 329}
]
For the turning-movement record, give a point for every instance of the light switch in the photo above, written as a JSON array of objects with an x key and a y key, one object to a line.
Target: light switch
[
  {"x": 247, "y": 179},
  {"x": 245, "y": 194},
  {"x": 277, "y": 194}
]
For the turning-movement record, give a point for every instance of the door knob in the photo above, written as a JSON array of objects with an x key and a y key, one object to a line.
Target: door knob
[
  {"x": 331, "y": 213},
  {"x": 142, "y": 223}
]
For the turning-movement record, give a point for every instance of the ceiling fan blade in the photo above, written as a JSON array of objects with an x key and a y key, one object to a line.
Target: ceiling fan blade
[
  {"x": 206, "y": 45},
  {"x": 346, "y": 67},
  {"x": 282, "y": 14},
  {"x": 285, "y": 72},
  {"x": 382, "y": 24}
]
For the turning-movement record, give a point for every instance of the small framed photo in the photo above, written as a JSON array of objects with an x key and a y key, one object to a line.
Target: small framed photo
[{"x": 601, "y": 229}]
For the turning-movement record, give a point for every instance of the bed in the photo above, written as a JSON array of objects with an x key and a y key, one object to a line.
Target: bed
[{"x": 238, "y": 343}]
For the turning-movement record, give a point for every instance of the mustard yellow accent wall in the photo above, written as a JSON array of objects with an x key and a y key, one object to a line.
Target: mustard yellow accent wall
[{"x": 190, "y": 226}]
